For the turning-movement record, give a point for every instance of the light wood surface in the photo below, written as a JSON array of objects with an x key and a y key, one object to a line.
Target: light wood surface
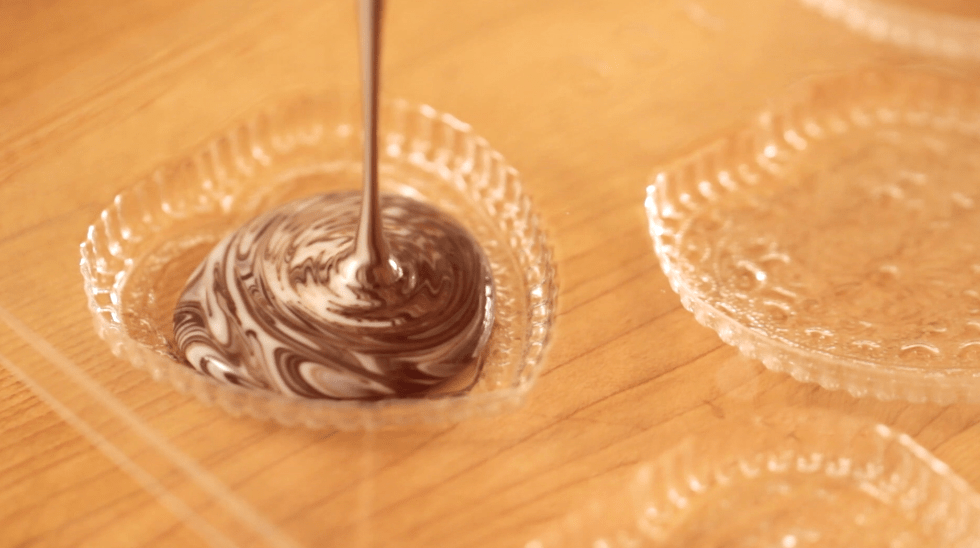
[{"x": 586, "y": 98}]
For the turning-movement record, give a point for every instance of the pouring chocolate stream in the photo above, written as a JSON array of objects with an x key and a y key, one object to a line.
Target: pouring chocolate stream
[{"x": 341, "y": 296}]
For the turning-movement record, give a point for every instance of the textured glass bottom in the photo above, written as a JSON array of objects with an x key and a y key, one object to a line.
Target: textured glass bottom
[
  {"x": 835, "y": 240},
  {"x": 140, "y": 253},
  {"x": 801, "y": 479}
]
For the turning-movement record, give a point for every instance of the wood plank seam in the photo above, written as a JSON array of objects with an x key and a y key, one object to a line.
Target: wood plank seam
[
  {"x": 238, "y": 508},
  {"x": 142, "y": 477}
]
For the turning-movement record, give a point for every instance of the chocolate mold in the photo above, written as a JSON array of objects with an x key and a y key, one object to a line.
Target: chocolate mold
[
  {"x": 141, "y": 251},
  {"x": 834, "y": 238}
]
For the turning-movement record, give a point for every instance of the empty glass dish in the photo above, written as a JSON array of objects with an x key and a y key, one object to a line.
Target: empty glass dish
[
  {"x": 145, "y": 245},
  {"x": 799, "y": 479},
  {"x": 835, "y": 237}
]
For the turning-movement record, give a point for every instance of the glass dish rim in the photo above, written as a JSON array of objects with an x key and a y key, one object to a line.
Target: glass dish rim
[
  {"x": 938, "y": 34},
  {"x": 754, "y": 445}
]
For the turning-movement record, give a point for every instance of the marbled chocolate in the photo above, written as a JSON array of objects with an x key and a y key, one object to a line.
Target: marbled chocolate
[{"x": 278, "y": 305}]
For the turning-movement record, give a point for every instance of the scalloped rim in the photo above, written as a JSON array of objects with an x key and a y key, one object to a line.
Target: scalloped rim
[
  {"x": 762, "y": 148},
  {"x": 899, "y": 472},
  {"x": 936, "y": 34},
  {"x": 883, "y": 463},
  {"x": 105, "y": 268}
]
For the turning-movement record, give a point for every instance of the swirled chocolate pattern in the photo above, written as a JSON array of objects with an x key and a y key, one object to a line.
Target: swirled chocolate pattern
[{"x": 278, "y": 306}]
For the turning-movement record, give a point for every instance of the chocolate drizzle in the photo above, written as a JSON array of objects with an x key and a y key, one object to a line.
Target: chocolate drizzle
[
  {"x": 283, "y": 305},
  {"x": 338, "y": 297}
]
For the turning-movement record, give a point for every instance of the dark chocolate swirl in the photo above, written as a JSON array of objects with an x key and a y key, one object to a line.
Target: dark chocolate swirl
[{"x": 276, "y": 305}]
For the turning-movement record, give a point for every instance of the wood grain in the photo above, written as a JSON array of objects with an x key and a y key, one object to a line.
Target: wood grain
[{"x": 586, "y": 98}]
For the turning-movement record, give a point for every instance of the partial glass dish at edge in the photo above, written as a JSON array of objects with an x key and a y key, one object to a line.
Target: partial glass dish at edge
[
  {"x": 145, "y": 245},
  {"x": 835, "y": 238},
  {"x": 803, "y": 478},
  {"x": 946, "y": 34}
]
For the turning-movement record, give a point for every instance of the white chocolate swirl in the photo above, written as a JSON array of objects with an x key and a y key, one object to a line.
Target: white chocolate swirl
[{"x": 275, "y": 305}]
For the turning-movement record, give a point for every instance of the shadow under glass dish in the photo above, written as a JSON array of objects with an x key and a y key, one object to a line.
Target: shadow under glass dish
[
  {"x": 140, "y": 253},
  {"x": 835, "y": 238}
]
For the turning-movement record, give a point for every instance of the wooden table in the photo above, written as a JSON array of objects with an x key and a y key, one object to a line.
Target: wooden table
[{"x": 586, "y": 98}]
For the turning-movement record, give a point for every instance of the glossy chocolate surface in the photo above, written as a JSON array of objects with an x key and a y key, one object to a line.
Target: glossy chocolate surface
[{"x": 282, "y": 305}]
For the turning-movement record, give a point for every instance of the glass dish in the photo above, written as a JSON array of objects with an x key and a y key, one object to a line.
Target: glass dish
[
  {"x": 835, "y": 237},
  {"x": 145, "y": 245},
  {"x": 803, "y": 478},
  {"x": 949, "y": 33}
]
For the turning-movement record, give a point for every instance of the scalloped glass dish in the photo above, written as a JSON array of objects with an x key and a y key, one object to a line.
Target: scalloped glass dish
[
  {"x": 789, "y": 481},
  {"x": 951, "y": 30},
  {"x": 145, "y": 245},
  {"x": 835, "y": 237}
]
